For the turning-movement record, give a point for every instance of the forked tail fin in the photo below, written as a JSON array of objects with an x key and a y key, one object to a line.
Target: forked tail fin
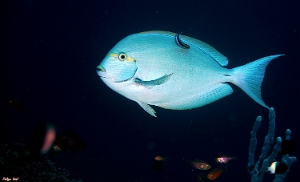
[{"x": 250, "y": 76}]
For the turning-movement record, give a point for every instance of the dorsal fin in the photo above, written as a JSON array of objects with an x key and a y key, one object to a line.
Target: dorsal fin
[{"x": 208, "y": 49}]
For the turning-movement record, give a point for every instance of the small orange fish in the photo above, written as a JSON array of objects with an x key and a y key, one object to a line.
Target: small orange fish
[
  {"x": 214, "y": 174},
  {"x": 160, "y": 158},
  {"x": 199, "y": 164},
  {"x": 224, "y": 159}
]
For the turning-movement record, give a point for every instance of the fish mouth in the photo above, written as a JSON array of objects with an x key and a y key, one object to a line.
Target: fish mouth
[
  {"x": 100, "y": 68},
  {"x": 116, "y": 75},
  {"x": 103, "y": 75},
  {"x": 101, "y": 71}
]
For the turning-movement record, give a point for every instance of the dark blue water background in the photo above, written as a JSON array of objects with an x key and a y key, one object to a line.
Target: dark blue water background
[{"x": 49, "y": 54}]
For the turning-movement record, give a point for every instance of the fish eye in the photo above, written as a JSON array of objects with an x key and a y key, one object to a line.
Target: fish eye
[{"x": 122, "y": 56}]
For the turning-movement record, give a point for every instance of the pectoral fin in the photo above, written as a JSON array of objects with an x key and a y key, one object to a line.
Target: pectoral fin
[
  {"x": 147, "y": 108},
  {"x": 155, "y": 82}
]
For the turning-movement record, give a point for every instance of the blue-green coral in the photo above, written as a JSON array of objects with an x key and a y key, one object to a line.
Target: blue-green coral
[
  {"x": 14, "y": 162},
  {"x": 264, "y": 161}
]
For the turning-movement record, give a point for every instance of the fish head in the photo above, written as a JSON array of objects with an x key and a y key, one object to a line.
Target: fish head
[
  {"x": 135, "y": 54},
  {"x": 134, "y": 59},
  {"x": 117, "y": 67},
  {"x": 207, "y": 166}
]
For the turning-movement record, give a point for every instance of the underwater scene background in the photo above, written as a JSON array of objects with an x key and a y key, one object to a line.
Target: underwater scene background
[{"x": 49, "y": 54}]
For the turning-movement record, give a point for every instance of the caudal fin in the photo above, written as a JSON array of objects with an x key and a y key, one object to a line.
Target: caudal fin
[{"x": 250, "y": 76}]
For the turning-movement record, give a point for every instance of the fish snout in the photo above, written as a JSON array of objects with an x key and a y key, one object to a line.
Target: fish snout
[{"x": 100, "y": 68}]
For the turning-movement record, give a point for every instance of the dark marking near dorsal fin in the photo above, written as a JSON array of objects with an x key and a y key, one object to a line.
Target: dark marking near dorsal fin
[{"x": 180, "y": 43}]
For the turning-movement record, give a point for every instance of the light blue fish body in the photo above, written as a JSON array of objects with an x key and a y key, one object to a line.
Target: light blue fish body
[{"x": 153, "y": 68}]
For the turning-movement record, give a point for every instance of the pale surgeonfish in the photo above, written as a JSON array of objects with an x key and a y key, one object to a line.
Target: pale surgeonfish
[{"x": 176, "y": 72}]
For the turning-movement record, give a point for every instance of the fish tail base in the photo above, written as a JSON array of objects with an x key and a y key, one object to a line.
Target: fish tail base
[{"x": 250, "y": 76}]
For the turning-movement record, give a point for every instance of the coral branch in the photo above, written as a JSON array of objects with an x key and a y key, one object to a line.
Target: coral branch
[{"x": 261, "y": 166}]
